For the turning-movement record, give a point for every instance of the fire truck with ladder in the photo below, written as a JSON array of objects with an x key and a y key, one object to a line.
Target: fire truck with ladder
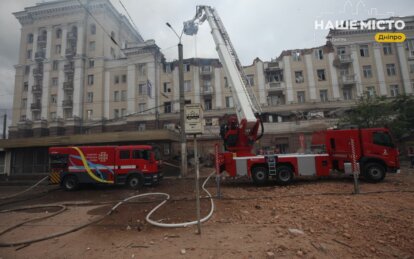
[
  {"x": 133, "y": 166},
  {"x": 374, "y": 151}
]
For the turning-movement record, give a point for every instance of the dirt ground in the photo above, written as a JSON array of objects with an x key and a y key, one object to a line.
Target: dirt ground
[{"x": 316, "y": 218}]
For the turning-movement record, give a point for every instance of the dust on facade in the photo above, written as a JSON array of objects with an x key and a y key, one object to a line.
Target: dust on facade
[{"x": 75, "y": 85}]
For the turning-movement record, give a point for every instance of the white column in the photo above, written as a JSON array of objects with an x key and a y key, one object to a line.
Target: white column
[
  {"x": 288, "y": 79},
  {"x": 48, "y": 43},
  {"x": 151, "y": 78},
  {"x": 218, "y": 89},
  {"x": 380, "y": 69},
  {"x": 334, "y": 76},
  {"x": 30, "y": 94},
  {"x": 404, "y": 69},
  {"x": 357, "y": 73},
  {"x": 107, "y": 95},
  {"x": 131, "y": 89},
  {"x": 196, "y": 81},
  {"x": 79, "y": 41},
  {"x": 78, "y": 89},
  {"x": 45, "y": 90},
  {"x": 310, "y": 77},
  {"x": 176, "y": 89},
  {"x": 64, "y": 39},
  {"x": 60, "y": 93},
  {"x": 261, "y": 82}
]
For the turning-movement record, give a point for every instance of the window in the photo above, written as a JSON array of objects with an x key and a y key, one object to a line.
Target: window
[
  {"x": 367, "y": 71},
  {"x": 55, "y": 81},
  {"x": 301, "y": 96},
  {"x": 319, "y": 54},
  {"x": 206, "y": 68},
  {"x": 168, "y": 67},
  {"x": 58, "y": 33},
  {"x": 187, "y": 86},
  {"x": 90, "y": 79},
  {"x": 26, "y": 70},
  {"x": 91, "y": 63},
  {"x": 208, "y": 105},
  {"x": 394, "y": 90},
  {"x": 363, "y": 50},
  {"x": 296, "y": 55},
  {"x": 187, "y": 67},
  {"x": 341, "y": 51},
  {"x": 123, "y": 112},
  {"x": 321, "y": 74},
  {"x": 386, "y": 47},
  {"x": 116, "y": 79},
  {"x": 166, "y": 149},
  {"x": 53, "y": 98},
  {"x": 89, "y": 114},
  {"x": 91, "y": 46},
  {"x": 141, "y": 126},
  {"x": 29, "y": 54},
  {"x": 142, "y": 107},
  {"x": 187, "y": 102},
  {"x": 58, "y": 48},
  {"x": 208, "y": 121},
  {"x": 123, "y": 95},
  {"x": 142, "y": 89},
  {"x": 116, "y": 113},
  {"x": 124, "y": 154},
  {"x": 116, "y": 96},
  {"x": 93, "y": 29},
  {"x": 142, "y": 69},
  {"x": 299, "y": 77},
  {"x": 30, "y": 38},
  {"x": 112, "y": 51},
  {"x": 90, "y": 97},
  {"x": 167, "y": 88},
  {"x": 412, "y": 68},
  {"x": 391, "y": 69},
  {"x": 370, "y": 92},
  {"x": 24, "y": 103},
  {"x": 226, "y": 82},
  {"x": 141, "y": 154},
  {"x": 274, "y": 100},
  {"x": 382, "y": 139},
  {"x": 124, "y": 78},
  {"x": 25, "y": 86},
  {"x": 324, "y": 95},
  {"x": 53, "y": 116},
  {"x": 347, "y": 92},
  {"x": 229, "y": 102},
  {"x": 250, "y": 80},
  {"x": 167, "y": 107},
  {"x": 55, "y": 65}
]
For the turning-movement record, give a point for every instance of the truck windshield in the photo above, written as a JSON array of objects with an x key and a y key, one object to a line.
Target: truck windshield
[{"x": 382, "y": 139}]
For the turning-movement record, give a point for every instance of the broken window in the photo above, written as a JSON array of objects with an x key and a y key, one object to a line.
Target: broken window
[
  {"x": 321, "y": 74},
  {"x": 299, "y": 77}
]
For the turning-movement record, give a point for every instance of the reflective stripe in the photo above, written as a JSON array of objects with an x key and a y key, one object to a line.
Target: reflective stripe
[
  {"x": 127, "y": 167},
  {"x": 97, "y": 167}
]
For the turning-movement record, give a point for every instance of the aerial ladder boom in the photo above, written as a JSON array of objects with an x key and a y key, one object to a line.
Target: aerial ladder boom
[{"x": 245, "y": 102}]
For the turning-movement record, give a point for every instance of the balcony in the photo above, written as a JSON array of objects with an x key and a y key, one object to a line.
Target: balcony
[
  {"x": 347, "y": 79},
  {"x": 70, "y": 53},
  {"x": 35, "y": 106},
  {"x": 39, "y": 56},
  {"x": 208, "y": 90},
  {"x": 41, "y": 39},
  {"x": 72, "y": 36},
  {"x": 68, "y": 68},
  {"x": 206, "y": 70},
  {"x": 68, "y": 85},
  {"x": 276, "y": 86},
  {"x": 67, "y": 103},
  {"x": 38, "y": 72},
  {"x": 272, "y": 66},
  {"x": 37, "y": 89}
]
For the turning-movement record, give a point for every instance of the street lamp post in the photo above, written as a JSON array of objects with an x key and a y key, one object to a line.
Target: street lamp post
[{"x": 182, "y": 103}]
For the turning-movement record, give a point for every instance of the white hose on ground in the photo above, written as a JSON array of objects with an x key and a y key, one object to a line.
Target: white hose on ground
[
  {"x": 28, "y": 189},
  {"x": 167, "y": 197}
]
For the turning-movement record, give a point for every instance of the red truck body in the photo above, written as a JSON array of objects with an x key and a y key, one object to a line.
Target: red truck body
[
  {"x": 375, "y": 154},
  {"x": 131, "y": 165}
]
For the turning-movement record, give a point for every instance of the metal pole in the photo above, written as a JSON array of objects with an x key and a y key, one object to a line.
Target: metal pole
[
  {"x": 355, "y": 167},
  {"x": 4, "y": 125},
  {"x": 217, "y": 170},
  {"x": 197, "y": 185},
  {"x": 182, "y": 103}
]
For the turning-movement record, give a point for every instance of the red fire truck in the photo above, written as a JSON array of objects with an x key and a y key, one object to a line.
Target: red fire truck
[
  {"x": 374, "y": 150},
  {"x": 133, "y": 166}
]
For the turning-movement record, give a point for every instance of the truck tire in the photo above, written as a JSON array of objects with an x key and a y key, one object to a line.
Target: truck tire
[
  {"x": 260, "y": 175},
  {"x": 135, "y": 181},
  {"x": 70, "y": 183},
  {"x": 284, "y": 175},
  {"x": 374, "y": 172}
]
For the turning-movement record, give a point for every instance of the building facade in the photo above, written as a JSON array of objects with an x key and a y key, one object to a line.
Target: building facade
[{"x": 91, "y": 73}]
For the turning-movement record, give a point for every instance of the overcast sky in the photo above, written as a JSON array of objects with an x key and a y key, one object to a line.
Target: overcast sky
[{"x": 257, "y": 28}]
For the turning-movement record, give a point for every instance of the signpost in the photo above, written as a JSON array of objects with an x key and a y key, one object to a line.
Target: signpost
[{"x": 193, "y": 114}]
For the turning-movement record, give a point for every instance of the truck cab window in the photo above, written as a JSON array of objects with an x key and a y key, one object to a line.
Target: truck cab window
[
  {"x": 140, "y": 154},
  {"x": 124, "y": 154},
  {"x": 382, "y": 139}
]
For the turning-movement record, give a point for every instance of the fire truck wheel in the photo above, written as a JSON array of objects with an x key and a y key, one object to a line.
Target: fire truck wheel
[
  {"x": 260, "y": 175},
  {"x": 374, "y": 172},
  {"x": 135, "y": 181},
  {"x": 284, "y": 174},
  {"x": 70, "y": 183}
]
